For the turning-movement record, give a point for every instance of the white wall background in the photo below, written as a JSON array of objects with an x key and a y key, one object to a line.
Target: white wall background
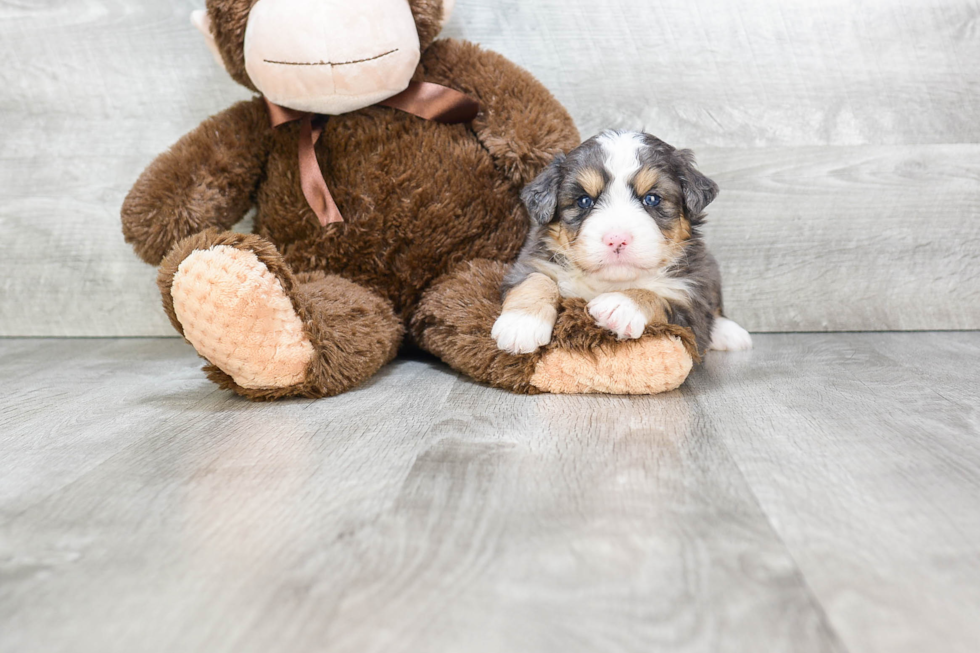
[{"x": 845, "y": 137}]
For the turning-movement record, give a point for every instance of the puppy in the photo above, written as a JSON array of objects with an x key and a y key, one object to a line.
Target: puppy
[{"x": 617, "y": 223}]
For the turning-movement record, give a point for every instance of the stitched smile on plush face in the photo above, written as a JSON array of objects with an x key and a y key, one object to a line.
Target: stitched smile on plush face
[
  {"x": 375, "y": 43},
  {"x": 620, "y": 209},
  {"x": 329, "y": 56},
  {"x": 330, "y": 63}
]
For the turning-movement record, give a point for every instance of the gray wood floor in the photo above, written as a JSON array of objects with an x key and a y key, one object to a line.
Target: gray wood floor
[
  {"x": 845, "y": 137},
  {"x": 821, "y": 493}
]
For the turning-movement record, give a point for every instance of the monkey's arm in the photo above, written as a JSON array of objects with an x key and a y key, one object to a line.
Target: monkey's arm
[
  {"x": 206, "y": 180},
  {"x": 521, "y": 124}
]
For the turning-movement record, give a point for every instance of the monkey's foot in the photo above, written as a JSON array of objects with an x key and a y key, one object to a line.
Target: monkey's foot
[
  {"x": 268, "y": 333},
  {"x": 650, "y": 365},
  {"x": 237, "y": 315}
]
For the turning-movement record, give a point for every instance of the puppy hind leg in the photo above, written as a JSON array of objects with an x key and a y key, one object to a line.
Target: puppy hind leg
[{"x": 727, "y": 335}]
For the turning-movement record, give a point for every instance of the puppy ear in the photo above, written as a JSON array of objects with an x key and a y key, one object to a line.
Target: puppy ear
[
  {"x": 541, "y": 195},
  {"x": 699, "y": 191}
]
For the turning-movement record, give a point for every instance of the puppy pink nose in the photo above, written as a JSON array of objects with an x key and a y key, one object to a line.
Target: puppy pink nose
[{"x": 617, "y": 239}]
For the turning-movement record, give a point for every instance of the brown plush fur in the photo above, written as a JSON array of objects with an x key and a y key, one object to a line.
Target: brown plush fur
[
  {"x": 229, "y": 18},
  {"x": 419, "y": 199},
  {"x": 454, "y": 321},
  {"x": 207, "y": 180},
  {"x": 428, "y": 19},
  {"x": 410, "y": 216}
]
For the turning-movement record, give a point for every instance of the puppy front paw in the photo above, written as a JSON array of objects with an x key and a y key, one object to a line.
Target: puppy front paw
[
  {"x": 618, "y": 313},
  {"x": 517, "y": 332}
]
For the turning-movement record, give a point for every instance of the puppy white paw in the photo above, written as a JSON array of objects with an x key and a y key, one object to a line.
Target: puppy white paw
[
  {"x": 517, "y": 332},
  {"x": 726, "y": 335},
  {"x": 618, "y": 313}
]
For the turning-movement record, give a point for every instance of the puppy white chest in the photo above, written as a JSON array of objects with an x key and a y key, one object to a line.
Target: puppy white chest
[{"x": 577, "y": 283}]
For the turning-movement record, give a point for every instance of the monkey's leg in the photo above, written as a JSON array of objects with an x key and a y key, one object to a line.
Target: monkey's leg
[
  {"x": 456, "y": 315},
  {"x": 267, "y": 333}
]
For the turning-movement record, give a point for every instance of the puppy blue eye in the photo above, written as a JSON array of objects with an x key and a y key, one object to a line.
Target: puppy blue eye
[
  {"x": 651, "y": 200},
  {"x": 586, "y": 202}
]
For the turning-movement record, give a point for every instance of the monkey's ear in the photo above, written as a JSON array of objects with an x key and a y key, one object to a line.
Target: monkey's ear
[
  {"x": 202, "y": 21},
  {"x": 447, "y": 10},
  {"x": 541, "y": 195}
]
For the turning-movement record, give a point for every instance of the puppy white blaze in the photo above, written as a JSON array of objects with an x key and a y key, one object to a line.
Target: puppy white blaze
[
  {"x": 726, "y": 335},
  {"x": 622, "y": 150},
  {"x": 619, "y": 214},
  {"x": 517, "y": 332}
]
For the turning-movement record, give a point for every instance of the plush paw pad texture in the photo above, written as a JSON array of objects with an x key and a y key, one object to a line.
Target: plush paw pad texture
[
  {"x": 638, "y": 367},
  {"x": 237, "y": 315}
]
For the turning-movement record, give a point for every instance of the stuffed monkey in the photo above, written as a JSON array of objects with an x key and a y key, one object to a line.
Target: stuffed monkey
[{"x": 416, "y": 218}]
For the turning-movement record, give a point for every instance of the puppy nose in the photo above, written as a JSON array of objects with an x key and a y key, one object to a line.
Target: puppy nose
[{"x": 617, "y": 239}]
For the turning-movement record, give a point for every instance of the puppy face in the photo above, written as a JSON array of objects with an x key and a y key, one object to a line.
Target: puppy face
[{"x": 619, "y": 206}]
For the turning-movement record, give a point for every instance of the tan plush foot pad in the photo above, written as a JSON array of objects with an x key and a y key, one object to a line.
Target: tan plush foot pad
[
  {"x": 644, "y": 367},
  {"x": 236, "y": 314}
]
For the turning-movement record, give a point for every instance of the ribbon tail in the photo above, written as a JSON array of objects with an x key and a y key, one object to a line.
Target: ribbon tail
[
  {"x": 423, "y": 99},
  {"x": 435, "y": 102},
  {"x": 311, "y": 177}
]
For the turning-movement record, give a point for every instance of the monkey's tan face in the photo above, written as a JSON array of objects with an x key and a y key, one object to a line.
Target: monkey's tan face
[
  {"x": 322, "y": 56},
  {"x": 331, "y": 56}
]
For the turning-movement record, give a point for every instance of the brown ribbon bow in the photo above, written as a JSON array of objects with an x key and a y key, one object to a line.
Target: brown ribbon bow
[{"x": 422, "y": 99}]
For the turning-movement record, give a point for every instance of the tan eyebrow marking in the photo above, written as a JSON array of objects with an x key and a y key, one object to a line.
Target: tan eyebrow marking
[
  {"x": 592, "y": 181},
  {"x": 645, "y": 180}
]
